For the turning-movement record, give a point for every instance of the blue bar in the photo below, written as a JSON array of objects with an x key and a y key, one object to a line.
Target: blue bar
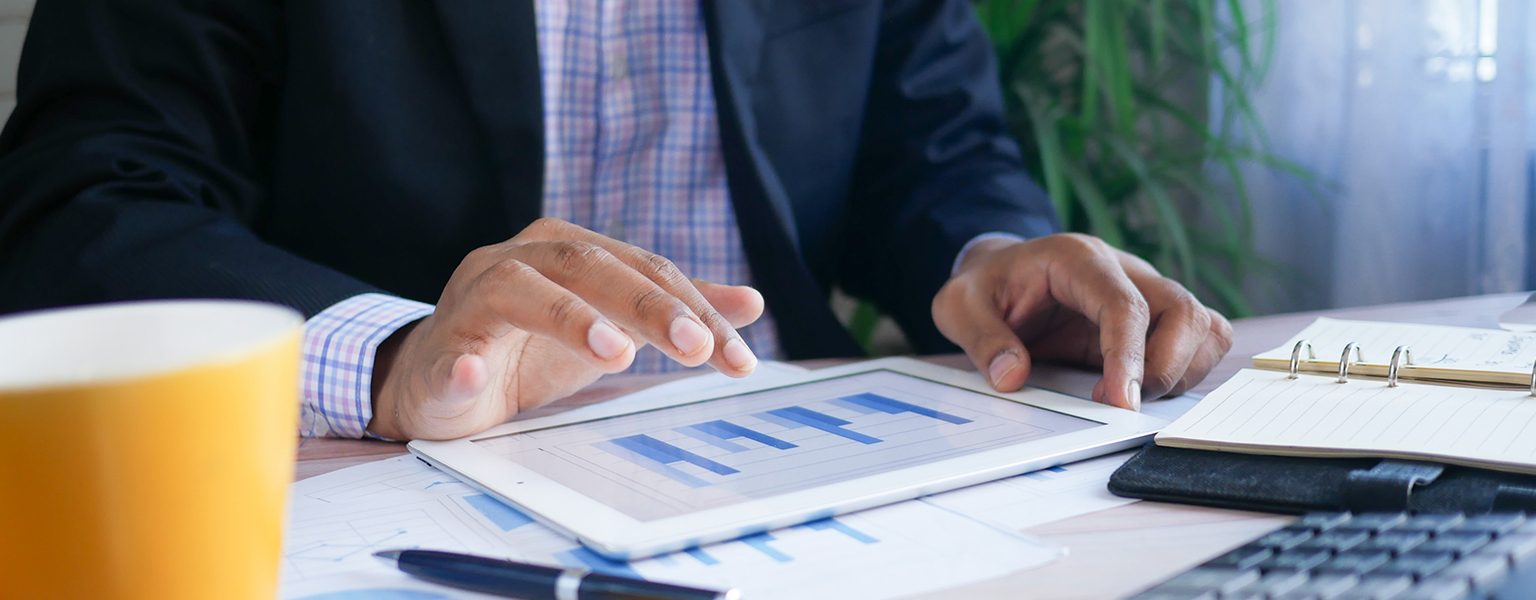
[
  {"x": 804, "y": 415},
  {"x": 702, "y": 557},
  {"x": 760, "y": 542},
  {"x": 893, "y": 406},
  {"x": 726, "y": 430},
  {"x": 843, "y": 528},
  {"x": 651, "y": 464},
  {"x": 694, "y": 432},
  {"x": 1057, "y": 469},
  {"x": 829, "y": 424},
  {"x": 583, "y": 558},
  {"x": 855, "y": 406},
  {"x": 505, "y": 517},
  {"x": 665, "y": 453}
]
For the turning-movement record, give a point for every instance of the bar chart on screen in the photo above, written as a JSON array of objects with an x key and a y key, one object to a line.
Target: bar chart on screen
[{"x": 691, "y": 457}]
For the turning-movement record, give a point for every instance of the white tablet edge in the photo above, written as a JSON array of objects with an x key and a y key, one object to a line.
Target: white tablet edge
[{"x": 619, "y": 536}]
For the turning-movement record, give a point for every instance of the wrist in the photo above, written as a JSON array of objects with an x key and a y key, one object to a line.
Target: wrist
[
  {"x": 983, "y": 251},
  {"x": 386, "y": 409}
]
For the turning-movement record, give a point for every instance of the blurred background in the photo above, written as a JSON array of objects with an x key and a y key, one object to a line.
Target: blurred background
[
  {"x": 1286, "y": 154},
  {"x": 1274, "y": 155}
]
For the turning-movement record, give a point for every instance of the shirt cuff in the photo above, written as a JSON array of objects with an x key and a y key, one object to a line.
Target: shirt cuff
[
  {"x": 995, "y": 235},
  {"x": 339, "y": 346}
]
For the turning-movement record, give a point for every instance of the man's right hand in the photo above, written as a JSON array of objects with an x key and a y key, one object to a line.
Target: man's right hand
[{"x": 536, "y": 318}]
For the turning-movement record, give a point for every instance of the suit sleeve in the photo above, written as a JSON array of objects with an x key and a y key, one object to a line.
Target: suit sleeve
[
  {"x": 936, "y": 166},
  {"x": 134, "y": 165}
]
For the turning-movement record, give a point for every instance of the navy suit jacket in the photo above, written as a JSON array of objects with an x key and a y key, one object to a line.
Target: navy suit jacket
[{"x": 306, "y": 151}]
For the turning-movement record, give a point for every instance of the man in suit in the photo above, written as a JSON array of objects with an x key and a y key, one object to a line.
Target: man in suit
[{"x": 359, "y": 159}]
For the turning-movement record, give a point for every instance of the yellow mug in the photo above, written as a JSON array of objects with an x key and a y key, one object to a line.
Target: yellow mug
[{"x": 146, "y": 449}]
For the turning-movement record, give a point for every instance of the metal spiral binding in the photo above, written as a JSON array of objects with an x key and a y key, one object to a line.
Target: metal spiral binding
[
  {"x": 1344, "y": 361},
  {"x": 1403, "y": 356},
  {"x": 1311, "y": 355}
]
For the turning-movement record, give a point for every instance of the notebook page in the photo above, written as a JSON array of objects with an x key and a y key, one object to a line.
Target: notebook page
[
  {"x": 1439, "y": 352},
  {"x": 1266, "y": 412}
]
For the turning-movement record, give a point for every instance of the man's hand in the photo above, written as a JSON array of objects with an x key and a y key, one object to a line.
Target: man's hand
[
  {"x": 1074, "y": 298},
  {"x": 536, "y": 318}
]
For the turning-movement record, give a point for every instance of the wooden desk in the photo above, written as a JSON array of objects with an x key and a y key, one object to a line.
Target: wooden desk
[{"x": 1112, "y": 553}]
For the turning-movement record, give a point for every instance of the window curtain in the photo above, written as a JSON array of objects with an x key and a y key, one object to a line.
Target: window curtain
[{"x": 1418, "y": 118}]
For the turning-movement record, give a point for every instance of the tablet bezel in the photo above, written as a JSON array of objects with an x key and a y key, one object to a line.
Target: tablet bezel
[{"x": 616, "y": 535}]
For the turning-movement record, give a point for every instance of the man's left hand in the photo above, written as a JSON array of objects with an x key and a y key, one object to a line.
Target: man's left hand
[{"x": 1073, "y": 298}]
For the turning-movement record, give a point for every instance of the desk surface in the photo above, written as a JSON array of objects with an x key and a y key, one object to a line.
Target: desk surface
[{"x": 1112, "y": 553}]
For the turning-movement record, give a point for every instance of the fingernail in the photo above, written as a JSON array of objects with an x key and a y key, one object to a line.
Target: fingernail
[
  {"x": 688, "y": 336},
  {"x": 1133, "y": 393},
  {"x": 738, "y": 355},
  {"x": 606, "y": 340},
  {"x": 1002, "y": 365}
]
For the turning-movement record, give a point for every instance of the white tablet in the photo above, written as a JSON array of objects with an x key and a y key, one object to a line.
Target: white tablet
[{"x": 670, "y": 473}]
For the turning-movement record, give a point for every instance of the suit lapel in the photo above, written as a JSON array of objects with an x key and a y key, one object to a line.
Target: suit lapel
[
  {"x": 807, "y": 327},
  {"x": 736, "y": 44},
  {"x": 495, "y": 45}
]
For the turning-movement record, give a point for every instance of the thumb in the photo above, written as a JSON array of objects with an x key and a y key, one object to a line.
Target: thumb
[
  {"x": 972, "y": 321},
  {"x": 458, "y": 378}
]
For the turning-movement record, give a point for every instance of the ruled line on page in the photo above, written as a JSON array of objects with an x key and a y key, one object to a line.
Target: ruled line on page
[{"x": 1316, "y": 413}]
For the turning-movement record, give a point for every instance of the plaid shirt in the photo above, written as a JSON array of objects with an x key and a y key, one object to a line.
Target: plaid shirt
[{"x": 632, "y": 151}]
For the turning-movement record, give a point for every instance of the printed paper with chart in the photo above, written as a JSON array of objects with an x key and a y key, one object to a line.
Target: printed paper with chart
[{"x": 340, "y": 519}]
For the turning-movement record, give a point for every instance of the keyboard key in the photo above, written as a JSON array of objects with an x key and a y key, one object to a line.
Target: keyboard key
[
  {"x": 1322, "y": 521},
  {"x": 1396, "y": 542},
  {"x": 1295, "y": 560},
  {"x": 1433, "y": 523},
  {"x": 1519, "y": 547},
  {"x": 1376, "y": 587},
  {"x": 1356, "y": 562},
  {"x": 1479, "y": 569},
  {"x": 1321, "y": 587},
  {"x": 1337, "y": 541},
  {"x": 1456, "y": 543},
  {"x": 1417, "y": 564},
  {"x": 1285, "y": 539},
  {"x": 1245, "y": 557},
  {"x": 1274, "y": 584},
  {"x": 1438, "y": 589},
  {"x": 1376, "y": 521},
  {"x": 1215, "y": 579},
  {"x": 1178, "y": 595},
  {"x": 1495, "y": 523}
]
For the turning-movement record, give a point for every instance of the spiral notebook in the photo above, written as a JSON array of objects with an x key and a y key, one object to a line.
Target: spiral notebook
[{"x": 1447, "y": 394}]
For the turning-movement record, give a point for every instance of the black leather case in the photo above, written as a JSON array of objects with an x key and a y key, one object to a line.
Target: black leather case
[{"x": 1292, "y": 485}]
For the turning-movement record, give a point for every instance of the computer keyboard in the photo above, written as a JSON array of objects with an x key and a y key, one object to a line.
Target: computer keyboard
[{"x": 1372, "y": 556}]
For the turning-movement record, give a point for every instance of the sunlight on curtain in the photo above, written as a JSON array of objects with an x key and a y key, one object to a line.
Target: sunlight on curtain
[{"x": 1419, "y": 113}]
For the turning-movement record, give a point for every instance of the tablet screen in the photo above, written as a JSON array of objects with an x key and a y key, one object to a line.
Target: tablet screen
[{"x": 677, "y": 460}]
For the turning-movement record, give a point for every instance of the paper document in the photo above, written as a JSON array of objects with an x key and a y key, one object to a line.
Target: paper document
[
  {"x": 1439, "y": 352},
  {"x": 339, "y": 519}
]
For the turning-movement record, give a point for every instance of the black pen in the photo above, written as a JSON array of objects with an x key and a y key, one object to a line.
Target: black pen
[{"x": 536, "y": 582}]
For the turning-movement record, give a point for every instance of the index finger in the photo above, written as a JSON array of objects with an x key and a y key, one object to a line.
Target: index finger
[
  {"x": 730, "y": 354},
  {"x": 1097, "y": 286},
  {"x": 1181, "y": 329}
]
